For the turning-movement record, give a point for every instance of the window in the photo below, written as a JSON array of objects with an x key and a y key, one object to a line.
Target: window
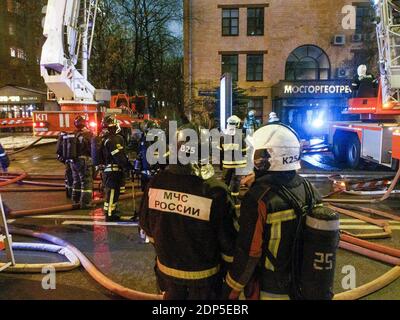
[
  {"x": 230, "y": 64},
  {"x": 13, "y": 52},
  {"x": 255, "y": 67},
  {"x": 308, "y": 63},
  {"x": 364, "y": 17},
  {"x": 17, "y": 53},
  {"x": 21, "y": 54},
  {"x": 255, "y": 21},
  {"x": 230, "y": 22}
]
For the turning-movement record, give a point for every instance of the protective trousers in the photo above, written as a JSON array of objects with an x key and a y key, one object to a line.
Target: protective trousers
[
  {"x": 206, "y": 290},
  {"x": 233, "y": 181},
  {"x": 69, "y": 180},
  {"x": 112, "y": 183},
  {"x": 82, "y": 189}
]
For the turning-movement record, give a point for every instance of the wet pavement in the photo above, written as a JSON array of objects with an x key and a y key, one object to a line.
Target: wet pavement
[{"x": 118, "y": 251}]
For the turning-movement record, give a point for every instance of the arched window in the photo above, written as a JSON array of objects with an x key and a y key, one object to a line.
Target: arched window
[{"x": 308, "y": 63}]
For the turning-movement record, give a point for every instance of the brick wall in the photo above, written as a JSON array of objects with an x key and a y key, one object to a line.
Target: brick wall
[{"x": 288, "y": 25}]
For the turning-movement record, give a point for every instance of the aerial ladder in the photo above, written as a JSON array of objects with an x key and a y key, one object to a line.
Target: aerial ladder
[
  {"x": 69, "y": 28},
  {"x": 66, "y": 40},
  {"x": 376, "y": 138}
]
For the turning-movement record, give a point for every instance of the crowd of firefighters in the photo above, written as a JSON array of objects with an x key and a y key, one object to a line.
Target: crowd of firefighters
[{"x": 276, "y": 242}]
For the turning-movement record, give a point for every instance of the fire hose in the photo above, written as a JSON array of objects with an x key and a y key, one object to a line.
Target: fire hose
[
  {"x": 73, "y": 261},
  {"x": 383, "y": 198},
  {"x": 387, "y": 231},
  {"x": 96, "y": 274},
  {"x": 13, "y": 179},
  {"x": 25, "y": 148},
  {"x": 372, "y": 250},
  {"x": 62, "y": 208}
]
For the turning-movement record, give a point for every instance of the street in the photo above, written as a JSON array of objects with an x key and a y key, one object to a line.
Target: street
[{"x": 117, "y": 250}]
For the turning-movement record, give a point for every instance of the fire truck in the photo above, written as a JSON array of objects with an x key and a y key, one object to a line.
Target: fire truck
[
  {"x": 69, "y": 26},
  {"x": 376, "y": 138}
]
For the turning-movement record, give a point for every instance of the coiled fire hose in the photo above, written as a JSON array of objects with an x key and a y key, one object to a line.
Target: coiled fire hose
[
  {"x": 96, "y": 274},
  {"x": 374, "y": 251},
  {"x": 73, "y": 261},
  {"x": 383, "y": 198}
]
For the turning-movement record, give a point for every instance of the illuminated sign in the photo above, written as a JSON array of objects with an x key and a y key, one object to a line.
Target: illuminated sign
[
  {"x": 225, "y": 99},
  {"x": 31, "y": 99},
  {"x": 10, "y": 99},
  {"x": 313, "y": 89},
  {"x": 324, "y": 89},
  {"x": 223, "y": 103}
]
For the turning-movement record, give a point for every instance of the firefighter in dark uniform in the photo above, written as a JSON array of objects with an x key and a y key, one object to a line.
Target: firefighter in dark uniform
[
  {"x": 68, "y": 179},
  {"x": 4, "y": 160},
  {"x": 291, "y": 253},
  {"x": 234, "y": 155},
  {"x": 116, "y": 161},
  {"x": 147, "y": 171},
  {"x": 80, "y": 161},
  {"x": 251, "y": 123},
  {"x": 188, "y": 216}
]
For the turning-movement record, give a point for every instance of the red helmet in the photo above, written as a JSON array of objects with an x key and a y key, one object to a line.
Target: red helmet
[{"x": 80, "y": 122}]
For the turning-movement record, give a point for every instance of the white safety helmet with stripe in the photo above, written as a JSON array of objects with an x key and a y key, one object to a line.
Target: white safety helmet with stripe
[
  {"x": 276, "y": 147},
  {"x": 362, "y": 70},
  {"x": 233, "y": 123}
]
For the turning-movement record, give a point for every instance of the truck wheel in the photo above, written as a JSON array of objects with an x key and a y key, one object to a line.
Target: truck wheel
[
  {"x": 353, "y": 151},
  {"x": 339, "y": 150}
]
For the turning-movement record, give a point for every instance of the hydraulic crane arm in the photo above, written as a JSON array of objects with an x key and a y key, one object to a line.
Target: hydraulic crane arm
[{"x": 61, "y": 50}]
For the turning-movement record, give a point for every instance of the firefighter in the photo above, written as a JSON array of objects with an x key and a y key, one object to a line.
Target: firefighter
[
  {"x": 364, "y": 84},
  {"x": 188, "y": 216},
  {"x": 251, "y": 123},
  {"x": 287, "y": 238},
  {"x": 78, "y": 154},
  {"x": 116, "y": 162},
  {"x": 273, "y": 118},
  {"x": 147, "y": 171},
  {"x": 234, "y": 158},
  {"x": 68, "y": 179},
  {"x": 4, "y": 160}
]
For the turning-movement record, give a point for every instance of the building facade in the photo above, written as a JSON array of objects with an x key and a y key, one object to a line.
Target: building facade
[
  {"x": 21, "y": 41},
  {"x": 292, "y": 56}
]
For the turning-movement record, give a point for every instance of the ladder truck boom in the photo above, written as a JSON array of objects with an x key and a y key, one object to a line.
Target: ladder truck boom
[
  {"x": 69, "y": 28},
  {"x": 388, "y": 36},
  {"x": 60, "y": 53}
]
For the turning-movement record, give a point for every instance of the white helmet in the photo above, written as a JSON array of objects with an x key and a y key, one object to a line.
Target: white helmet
[
  {"x": 362, "y": 70},
  {"x": 233, "y": 123},
  {"x": 276, "y": 147},
  {"x": 273, "y": 117}
]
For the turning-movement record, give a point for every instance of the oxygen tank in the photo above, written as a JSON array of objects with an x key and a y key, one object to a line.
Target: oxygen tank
[
  {"x": 70, "y": 148},
  {"x": 59, "y": 148},
  {"x": 95, "y": 148},
  {"x": 320, "y": 242}
]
